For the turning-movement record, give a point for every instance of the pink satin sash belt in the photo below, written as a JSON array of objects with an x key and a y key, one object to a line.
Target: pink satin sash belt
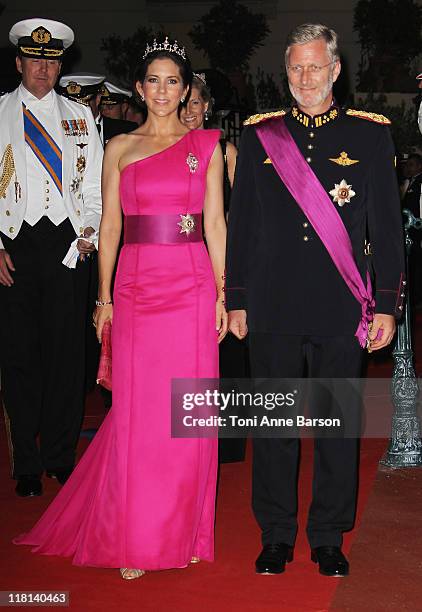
[{"x": 162, "y": 229}]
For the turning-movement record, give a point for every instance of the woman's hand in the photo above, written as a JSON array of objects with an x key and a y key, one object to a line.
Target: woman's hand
[
  {"x": 221, "y": 321},
  {"x": 100, "y": 316}
]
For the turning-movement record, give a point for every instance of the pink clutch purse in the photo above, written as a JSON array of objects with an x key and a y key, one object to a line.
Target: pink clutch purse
[{"x": 104, "y": 367}]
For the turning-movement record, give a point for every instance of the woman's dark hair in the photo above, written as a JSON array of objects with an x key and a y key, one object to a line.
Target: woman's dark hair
[{"x": 184, "y": 66}]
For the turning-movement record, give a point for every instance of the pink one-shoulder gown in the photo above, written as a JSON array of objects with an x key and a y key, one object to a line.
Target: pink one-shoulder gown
[{"x": 138, "y": 497}]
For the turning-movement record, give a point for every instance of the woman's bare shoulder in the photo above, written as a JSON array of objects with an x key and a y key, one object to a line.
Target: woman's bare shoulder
[{"x": 120, "y": 145}]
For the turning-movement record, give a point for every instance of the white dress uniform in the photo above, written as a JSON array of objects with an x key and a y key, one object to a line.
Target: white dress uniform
[{"x": 50, "y": 177}]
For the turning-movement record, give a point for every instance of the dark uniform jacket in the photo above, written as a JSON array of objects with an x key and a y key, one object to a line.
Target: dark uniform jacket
[
  {"x": 277, "y": 267},
  {"x": 412, "y": 196},
  {"x": 113, "y": 127}
]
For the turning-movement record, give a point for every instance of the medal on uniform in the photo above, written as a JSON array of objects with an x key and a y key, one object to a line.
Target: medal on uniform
[
  {"x": 75, "y": 127},
  {"x": 75, "y": 185},
  {"x": 83, "y": 128},
  {"x": 66, "y": 127},
  {"x": 342, "y": 193},
  {"x": 81, "y": 164}
]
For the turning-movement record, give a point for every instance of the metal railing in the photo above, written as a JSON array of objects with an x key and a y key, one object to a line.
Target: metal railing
[{"x": 231, "y": 121}]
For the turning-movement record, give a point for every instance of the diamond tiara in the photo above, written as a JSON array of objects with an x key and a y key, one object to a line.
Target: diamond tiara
[
  {"x": 165, "y": 46},
  {"x": 201, "y": 77}
]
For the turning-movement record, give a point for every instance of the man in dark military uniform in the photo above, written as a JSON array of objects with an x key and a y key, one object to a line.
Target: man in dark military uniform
[
  {"x": 113, "y": 104},
  {"x": 89, "y": 89},
  {"x": 284, "y": 288}
]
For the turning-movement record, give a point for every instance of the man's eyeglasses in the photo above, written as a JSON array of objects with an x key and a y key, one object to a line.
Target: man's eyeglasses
[{"x": 312, "y": 68}]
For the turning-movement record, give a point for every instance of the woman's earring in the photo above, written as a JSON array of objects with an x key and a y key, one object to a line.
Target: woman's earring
[
  {"x": 142, "y": 97},
  {"x": 182, "y": 99},
  {"x": 206, "y": 116}
]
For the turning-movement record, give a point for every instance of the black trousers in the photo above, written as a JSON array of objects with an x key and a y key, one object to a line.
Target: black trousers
[
  {"x": 276, "y": 461},
  {"x": 234, "y": 363},
  {"x": 42, "y": 352}
]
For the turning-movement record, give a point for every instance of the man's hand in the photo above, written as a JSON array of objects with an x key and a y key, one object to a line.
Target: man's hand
[
  {"x": 6, "y": 264},
  {"x": 237, "y": 323},
  {"x": 382, "y": 332},
  {"x": 84, "y": 247}
]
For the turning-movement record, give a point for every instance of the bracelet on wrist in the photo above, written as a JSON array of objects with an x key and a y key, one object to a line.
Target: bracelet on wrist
[{"x": 101, "y": 303}]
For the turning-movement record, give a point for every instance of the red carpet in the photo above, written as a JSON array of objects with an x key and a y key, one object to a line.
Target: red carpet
[
  {"x": 389, "y": 581},
  {"x": 228, "y": 584}
]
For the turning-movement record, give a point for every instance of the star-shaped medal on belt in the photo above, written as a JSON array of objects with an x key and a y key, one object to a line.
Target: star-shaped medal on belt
[
  {"x": 187, "y": 224},
  {"x": 342, "y": 193}
]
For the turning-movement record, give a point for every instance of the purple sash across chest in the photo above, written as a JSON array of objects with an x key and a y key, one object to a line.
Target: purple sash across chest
[{"x": 315, "y": 203}]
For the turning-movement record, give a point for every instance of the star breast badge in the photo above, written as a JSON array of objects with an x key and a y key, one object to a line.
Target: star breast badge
[
  {"x": 342, "y": 193},
  {"x": 187, "y": 224}
]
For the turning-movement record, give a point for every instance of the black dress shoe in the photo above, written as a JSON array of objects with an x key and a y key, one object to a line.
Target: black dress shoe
[
  {"x": 28, "y": 485},
  {"x": 60, "y": 475},
  {"x": 331, "y": 561},
  {"x": 273, "y": 558}
]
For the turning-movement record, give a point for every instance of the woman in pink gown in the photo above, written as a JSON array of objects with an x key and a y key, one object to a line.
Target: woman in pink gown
[{"x": 138, "y": 497}]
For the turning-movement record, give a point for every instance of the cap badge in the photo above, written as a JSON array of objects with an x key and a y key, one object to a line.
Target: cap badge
[
  {"x": 73, "y": 88},
  {"x": 41, "y": 36}
]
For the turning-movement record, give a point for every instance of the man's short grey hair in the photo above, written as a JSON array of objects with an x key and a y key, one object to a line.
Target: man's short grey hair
[{"x": 308, "y": 32}]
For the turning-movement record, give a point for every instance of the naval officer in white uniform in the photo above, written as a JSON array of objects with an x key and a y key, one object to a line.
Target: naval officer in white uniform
[{"x": 50, "y": 197}]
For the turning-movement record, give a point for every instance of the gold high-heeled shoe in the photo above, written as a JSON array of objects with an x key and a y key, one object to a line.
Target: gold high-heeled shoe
[
  {"x": 195, "y": 560},
  {"x": 128, "y": 573}
]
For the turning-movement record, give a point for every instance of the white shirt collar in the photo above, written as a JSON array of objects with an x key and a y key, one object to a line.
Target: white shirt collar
[{"x": 46, "y": 103}]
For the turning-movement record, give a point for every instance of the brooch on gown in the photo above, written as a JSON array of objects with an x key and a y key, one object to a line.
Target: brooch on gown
[
  {"x": 192, "y": 162},
  {"x": 187, "y": 224}
]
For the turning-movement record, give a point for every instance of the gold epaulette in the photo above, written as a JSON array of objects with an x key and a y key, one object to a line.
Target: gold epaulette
[
  {"x": 368, "y": 116},
  {"x": 263, "y": 116}
]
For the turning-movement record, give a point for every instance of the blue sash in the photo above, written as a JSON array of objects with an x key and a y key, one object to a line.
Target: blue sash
[{"x": 44, "y": 147}]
